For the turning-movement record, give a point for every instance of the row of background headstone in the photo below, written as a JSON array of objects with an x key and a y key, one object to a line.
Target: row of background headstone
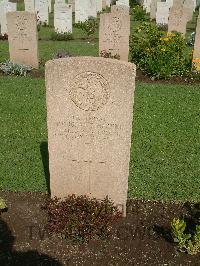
[
  {"x": 23, "y": 41},
  {"x": 63, "y": 11},
  {"x": 174, "y": 13},
  {"x": 113, "y": 34}
]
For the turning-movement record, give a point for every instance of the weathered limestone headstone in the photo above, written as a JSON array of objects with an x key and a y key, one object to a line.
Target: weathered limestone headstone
[
  {"x": 170, "y": 3},
  {"x": 72, "y": 2},
  {"x": 59, "y": 1},
  {"x": 85, "y": 9},
  {"x": 99, "y": 5},
  {"x": 178, "y": 18},
  {"x": 29, "y": 5},
  {"x": 146, "y": 5},
  {"x": 89, "y": 118},
  {"x": 22, "y": 37},
  {"x": 5, "y": 7},
  {"x": 162, "y": 13},
  {"x": 42, "y": 9},
  {"x": 114, "y": 34},
  {"x": 153, "y": 8},
  {"x": 195, "y": 5},
  {"x": 92, "y": 8},
  {"x": 122, "y": 3},
  {"x": 63, "y": 18},
  {"x": 81, "y": 8},
  {"x": 190, "y": 5},
  {"x": 123, "y": 9},
  {"x": 196, "y": 52}
]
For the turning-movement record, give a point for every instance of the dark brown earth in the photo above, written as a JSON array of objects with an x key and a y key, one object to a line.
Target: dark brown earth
[{"x": 142, "y": 238}]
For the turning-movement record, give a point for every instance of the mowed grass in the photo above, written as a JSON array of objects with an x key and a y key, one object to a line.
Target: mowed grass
[
  {"x": 165, "y": 156},
  {"x": 23, "y": 129},
  {"x": 165, "y": 153}
]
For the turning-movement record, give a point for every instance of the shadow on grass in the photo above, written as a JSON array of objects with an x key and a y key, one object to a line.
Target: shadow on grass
[
  {"x": 45, "y": 160},
  {"x": 9, "y": 257}
]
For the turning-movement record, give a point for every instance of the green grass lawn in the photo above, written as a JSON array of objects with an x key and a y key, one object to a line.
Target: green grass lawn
[
  {"x": 166, "y": 143},
  {"x": 165, "y": 154}
]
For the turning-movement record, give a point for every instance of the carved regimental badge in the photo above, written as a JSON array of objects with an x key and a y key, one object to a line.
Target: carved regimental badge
[{"x": 89, "y": 91}]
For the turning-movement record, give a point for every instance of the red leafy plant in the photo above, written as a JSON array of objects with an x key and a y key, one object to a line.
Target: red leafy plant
[{"x": 80, "y": 218}]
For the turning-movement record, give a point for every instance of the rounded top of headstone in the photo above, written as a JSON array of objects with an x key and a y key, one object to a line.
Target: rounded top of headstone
[{"x": 90, "y": 59}]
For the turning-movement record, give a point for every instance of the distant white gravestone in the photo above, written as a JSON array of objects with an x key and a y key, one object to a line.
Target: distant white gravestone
[
  {"x": 178, "y": 18},
  {"x": 153, "y": 9},
  {"x": 85, "y": 9},
  {"x": 147, "y": 5},
  {"x": 89, "y": 117},
  {"x": 162, "y": 13},
  {"x": 122, "y": 3},
  {"x": 72, "y": 2},
  {"x": 5, "y": 7},
  {"x": 63, "y": 18},
  {"x": 114, "y": 34},
  {"x": 123, "y": 9},
  {"x": 22, "y": 37},
  {"x": 99, "y": 5},
  {"x": 42, "y": 9}
]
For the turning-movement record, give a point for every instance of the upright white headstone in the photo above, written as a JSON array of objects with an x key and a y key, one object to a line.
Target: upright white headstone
[
  {"x": 147, "y": 5},
  {"x": 170, "y": 3},
  {"x": 22, "y": 38},
  {"x": 63, "y": 18},
  {"x": 92, "y": 8},
  {"x": 81, "y": 11},
  {"x": 85, "y": 9},
  {"x": 5, "y": 7},
  {"x": 153, "y": 9},
  {"x": 114, "y": 34},
  {"x": 42, "y": 9},
  {"x": 122, "y": 3},
  {"x": 162, "y": 13},
  {"x": 189, "y": 4},
  {"x": 99, "y": 5},
  {"x": 89, "y": 118},
  {"x": 72, "y": 2}
]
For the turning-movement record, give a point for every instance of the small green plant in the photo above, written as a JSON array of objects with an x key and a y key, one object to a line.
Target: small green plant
[
  {"x": 106, "y": 54},
  {"x": 89, "y": 26},
  {"x": 139, "y": 13},
  {"x": 2, "y": 204},
  {"x": 186, "y": 242},
  {"x": 80, "y": 218},
  {"x": 66, "y": 36},
  {"x": 11, "y": 68}
]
